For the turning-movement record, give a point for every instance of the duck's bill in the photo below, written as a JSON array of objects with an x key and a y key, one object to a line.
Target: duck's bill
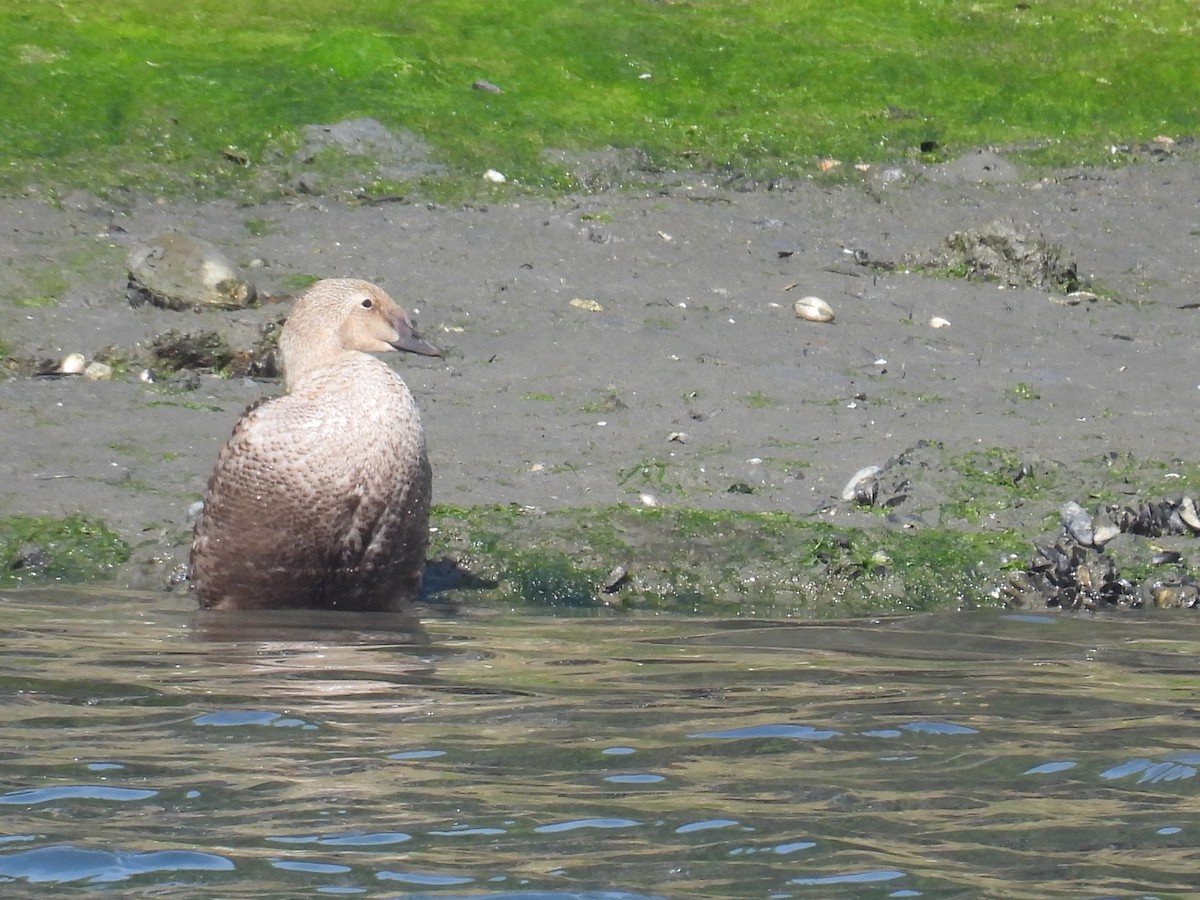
[{"x": 412, "y": 342}]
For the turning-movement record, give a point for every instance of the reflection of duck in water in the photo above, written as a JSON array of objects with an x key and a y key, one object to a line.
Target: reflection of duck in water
[{"x": 320, "y": 498}]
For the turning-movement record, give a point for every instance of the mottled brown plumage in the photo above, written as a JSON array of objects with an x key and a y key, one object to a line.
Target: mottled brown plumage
[{"x": 320, "y": 499}]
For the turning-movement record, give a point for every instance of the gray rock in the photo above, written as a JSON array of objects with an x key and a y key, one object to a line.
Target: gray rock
[
  {"x": 178, "y": 271},
  {"x": 398, "y": 154}
]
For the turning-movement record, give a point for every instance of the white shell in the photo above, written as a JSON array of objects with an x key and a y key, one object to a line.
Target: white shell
[
  {"x": 1104, "y": 532},
  {"x": 813, "y": 309},
  {"x": 1187, "y": 512},
  {"x": 860, "y": 480},
  {"x": 72, "y": 364},
  {"x": 494, "y": 177},
  {"x": 939, "y": 322}
]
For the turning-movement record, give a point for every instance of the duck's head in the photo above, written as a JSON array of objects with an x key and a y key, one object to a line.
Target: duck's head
[{"x": 337, "y": 315}]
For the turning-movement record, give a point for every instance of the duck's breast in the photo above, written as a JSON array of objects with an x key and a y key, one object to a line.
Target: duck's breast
[{"x": 320, "y": 498}]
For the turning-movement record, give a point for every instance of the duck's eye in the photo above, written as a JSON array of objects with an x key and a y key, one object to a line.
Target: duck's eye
[{"x": 367, "y": 304}]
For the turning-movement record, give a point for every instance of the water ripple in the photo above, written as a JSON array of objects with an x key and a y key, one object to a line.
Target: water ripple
[
  {"x": 76, "y": 792},
  {"x": 64, "y": 863},
  {"x": 972, "y": 755}
]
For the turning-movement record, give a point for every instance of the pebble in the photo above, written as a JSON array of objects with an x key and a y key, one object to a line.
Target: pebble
[
  {"x": 97, "y": 371},
  {"x": 1077, "y": 523}
]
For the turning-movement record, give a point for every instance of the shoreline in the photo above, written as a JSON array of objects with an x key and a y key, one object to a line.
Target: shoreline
[{"x": 681, "y": 373}]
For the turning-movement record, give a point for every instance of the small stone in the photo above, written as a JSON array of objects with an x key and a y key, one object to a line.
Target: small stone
[
  {"x": 98, "y": 371},
  {"x": 494, "y": 177},
  {"x": 1077, "y": 523},
  {"x": 939, "y": 322}
]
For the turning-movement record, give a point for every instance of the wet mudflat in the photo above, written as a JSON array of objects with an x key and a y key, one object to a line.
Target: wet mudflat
[{"x": 634, "y": 347}]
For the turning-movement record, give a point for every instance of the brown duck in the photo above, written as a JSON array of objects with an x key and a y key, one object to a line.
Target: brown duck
[{"x": 320, "y": 499}]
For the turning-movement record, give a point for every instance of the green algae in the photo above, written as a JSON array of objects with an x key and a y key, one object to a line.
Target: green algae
[
  {"x": 206, "y": 97},
  {"x": 717, "y": 562},
  {"x": 76, "y": 548},
  {"x": 970, "y": 522}
]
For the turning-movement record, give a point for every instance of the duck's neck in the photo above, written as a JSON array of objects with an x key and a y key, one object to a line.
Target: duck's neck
[{"x": 300, "y": 358}]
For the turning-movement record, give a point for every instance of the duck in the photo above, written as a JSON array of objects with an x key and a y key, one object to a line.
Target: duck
[{"x": 320, "y": 497}]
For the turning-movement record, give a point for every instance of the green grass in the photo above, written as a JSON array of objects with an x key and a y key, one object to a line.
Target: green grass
[{"x": 198, "y": 97}]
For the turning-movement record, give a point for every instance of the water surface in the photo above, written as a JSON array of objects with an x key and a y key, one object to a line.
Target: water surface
[{"x": 150, "y": 750}]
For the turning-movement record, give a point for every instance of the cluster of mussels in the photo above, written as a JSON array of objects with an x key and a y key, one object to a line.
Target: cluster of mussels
[{"x": 1076, "y": 573}]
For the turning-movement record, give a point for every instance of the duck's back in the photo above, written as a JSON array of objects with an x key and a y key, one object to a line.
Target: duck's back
[{"x": 319, "y": 499}]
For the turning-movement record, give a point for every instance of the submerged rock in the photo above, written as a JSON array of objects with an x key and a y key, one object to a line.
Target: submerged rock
[{"x": 178, "y": 271}]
